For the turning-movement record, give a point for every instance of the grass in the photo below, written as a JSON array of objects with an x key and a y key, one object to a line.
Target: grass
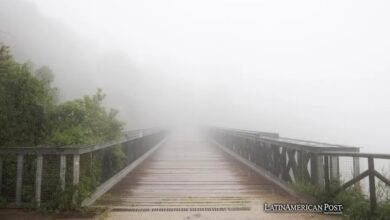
[{"x": 356, "y": 205}]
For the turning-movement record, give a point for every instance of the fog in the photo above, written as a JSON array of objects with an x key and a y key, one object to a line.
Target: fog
[{"x": 314, "y": 70}]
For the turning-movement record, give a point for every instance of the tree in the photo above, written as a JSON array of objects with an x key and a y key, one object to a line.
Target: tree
[
  {"x": 46, "y": 77},
  {"x": 30, "y": 115},
  {"x": 84, "y": 121},
  {"x": 24, "y": 100}
]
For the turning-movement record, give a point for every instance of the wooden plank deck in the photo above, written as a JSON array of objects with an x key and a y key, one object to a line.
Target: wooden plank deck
[{"x": 192, "y": 173}]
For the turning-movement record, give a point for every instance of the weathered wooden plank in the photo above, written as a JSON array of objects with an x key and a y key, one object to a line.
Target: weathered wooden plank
[{"x": 192, "y": 173}]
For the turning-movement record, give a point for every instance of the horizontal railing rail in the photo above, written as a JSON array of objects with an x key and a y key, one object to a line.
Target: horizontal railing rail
[
  {"x": 77, "y": 149},
  {"x": 273, "y": 138},
  {"x": 357, "y": 154},
  {"x": 32, "y": 175}
]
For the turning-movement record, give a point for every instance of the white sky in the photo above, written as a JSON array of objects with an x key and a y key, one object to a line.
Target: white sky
[{"x": 316, "y": 70}]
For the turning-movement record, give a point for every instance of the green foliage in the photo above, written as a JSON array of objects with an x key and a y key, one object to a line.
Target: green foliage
[
  {"x": 307, "y": 189},
  {"x": 31, "y": 116},
  {"x": 383, "y": 210},
  {"x": 24, "y": 103},
  {"x": 86, "y": 121},
  {"x": 67, "y": 199},
  {"x": 113, "y": 161},
  {"x": 83, "y": 121},
  {"x": 356, "y": 205}
]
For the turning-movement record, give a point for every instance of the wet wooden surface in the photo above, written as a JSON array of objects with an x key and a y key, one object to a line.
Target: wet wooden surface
[{"x": 192, "y": 173}]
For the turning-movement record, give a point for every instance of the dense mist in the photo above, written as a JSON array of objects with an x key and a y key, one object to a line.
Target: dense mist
[{"x": 315, "y": 70}]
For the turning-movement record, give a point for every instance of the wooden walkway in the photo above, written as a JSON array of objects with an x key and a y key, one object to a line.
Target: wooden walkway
[{"x": 192, "y": 174}]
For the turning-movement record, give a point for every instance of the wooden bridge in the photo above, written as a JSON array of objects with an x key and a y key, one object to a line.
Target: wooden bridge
[
  {"x": 216, "y": 171},
  {"x": 191, "y": 173}
]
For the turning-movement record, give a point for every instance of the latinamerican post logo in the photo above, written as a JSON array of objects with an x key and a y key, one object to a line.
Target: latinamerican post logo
[{"x": 325, "y": 208}]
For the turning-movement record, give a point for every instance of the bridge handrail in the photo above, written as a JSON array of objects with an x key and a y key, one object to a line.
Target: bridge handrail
[
  {"x": 58, "y": 165},
  {"x": 289, "y": 160},
  {"x": 77, "y": 149},
  {"x": 355, "y": 154},
  {"x": 309, "y": 146}
]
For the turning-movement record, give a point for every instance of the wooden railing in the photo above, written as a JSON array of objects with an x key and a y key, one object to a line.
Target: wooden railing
[
  {"x": 33, "y": 175},
  {"x": 370, "y": 173},
  {"x": 292, "y": 161}
]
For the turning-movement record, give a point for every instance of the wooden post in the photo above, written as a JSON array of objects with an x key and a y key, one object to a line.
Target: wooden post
[
  {"x": 300, "y": 165},
  {"x": 371, "y": 180},
  {"x": 276, "y": 160},
  {"x": 356, "y": 166},
  {"x": 76, "y": 174},
  {"x": 1, "y": 174},
  {"x": 334, "y": 168},
  {"x": 269, "y": 156},
  {"x": 257, "y": 153},
  {"x": 76, "y": 169},
  {"x": 19, "y": 179},
  {"x": 317, "y": 170},
  {"x": 356, "y": 170},
  {"x": 283, "y": 164},
  {"x": 62, "y": 171},
  {"x": 326, "y": 173},
  {"x": 38, "y": 180}
]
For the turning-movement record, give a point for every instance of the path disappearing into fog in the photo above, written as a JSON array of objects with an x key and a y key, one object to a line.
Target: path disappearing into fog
[{"x": 190, "y": 172}]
